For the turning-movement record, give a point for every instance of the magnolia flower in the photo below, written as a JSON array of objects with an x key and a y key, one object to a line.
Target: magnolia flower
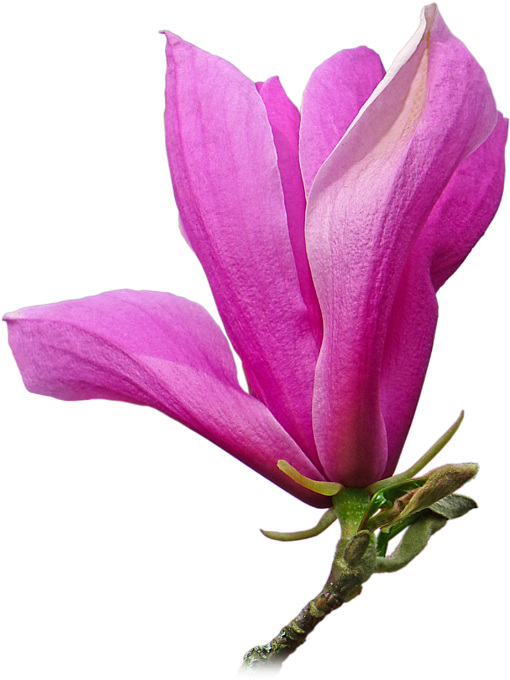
[{"x": 324, "y": 235}]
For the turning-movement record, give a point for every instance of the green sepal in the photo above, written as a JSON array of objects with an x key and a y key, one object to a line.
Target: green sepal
[
  {"x": 324, "y": 488},
  {"x": 325, "y": 521},
  {"x": 421, "y": 463},
  {"x": 413, "y": 542}
]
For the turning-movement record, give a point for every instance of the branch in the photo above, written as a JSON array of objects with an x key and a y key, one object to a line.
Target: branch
[{"x": 344, "y": 583}]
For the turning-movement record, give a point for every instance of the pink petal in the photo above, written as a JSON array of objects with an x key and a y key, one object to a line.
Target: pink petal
[
  {"x": 229, "y": 193},
  {"x": 335, "y": 93},
  {"x": 284, "y": 119},
  {"x": 366, "y": 207},
  {"x": 459, "y": 219},
  {"x": 158, "y": 350}
]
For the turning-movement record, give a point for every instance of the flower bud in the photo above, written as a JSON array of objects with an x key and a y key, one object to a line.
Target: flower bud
[{"x": 441, "y": 482}]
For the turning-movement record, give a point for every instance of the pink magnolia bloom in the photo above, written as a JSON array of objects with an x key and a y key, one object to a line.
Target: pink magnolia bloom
[{"x": 324, "y": 235}]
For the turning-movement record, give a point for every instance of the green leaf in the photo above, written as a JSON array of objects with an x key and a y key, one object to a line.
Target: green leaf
[
  {"x": 438, "y": 484},
  {"x": 449, "y": 507},
  {"x": 453, "y": 506},
  {"x": 413, "y": 542},
  {"x": 385, "y": 498},
  {"x": 386, "y": 535}
]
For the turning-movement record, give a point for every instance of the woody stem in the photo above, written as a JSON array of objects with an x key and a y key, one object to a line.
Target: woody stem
[{"x": 343, "y": 584}]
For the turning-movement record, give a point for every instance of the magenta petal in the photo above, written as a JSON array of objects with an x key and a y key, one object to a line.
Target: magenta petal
[
  {"x": 366, "y": 207},
  {"x": 229, "y": 193},
  {"x": 158, "y": 350},
  {"x": 335, "y": 93},
  {"x": 458, "y": 221},
  {"x": 285, "y": 120}
]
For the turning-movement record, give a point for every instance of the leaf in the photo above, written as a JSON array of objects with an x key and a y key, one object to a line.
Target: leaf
[
  {"x": 413, "y": 542},
  {"x": 438, "y": 484},
  {"x": 385, "y": 498},
  {"x": 453, "y": 506}
]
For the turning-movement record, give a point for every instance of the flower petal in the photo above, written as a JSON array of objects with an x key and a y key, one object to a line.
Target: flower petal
[
  {"x": 285, "y": 120},
  {"x": 366, "y": 207},
  {"x": 459, "y": 219},
  {"x": 158, "y": 350},
  {"x": 229, "y": 193},
  {"x": 335, "y": 93}
]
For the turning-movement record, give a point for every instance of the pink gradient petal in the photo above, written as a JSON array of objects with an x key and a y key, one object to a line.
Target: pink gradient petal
[
  {"x": 459, "y": 219},
  {"x": 335, "y": 93},
  {"x": 366, "y": 207},
  {"x": 157, "y": 350},
  {"x": 285, "y": 120},
  {"x": 229, "y": 193}
]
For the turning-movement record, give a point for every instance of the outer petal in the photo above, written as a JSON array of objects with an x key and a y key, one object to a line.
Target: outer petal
[
  {"x": 458, "y": 221},
  {"x": 229, "y": 194},
  {"x": 285, "y": 120},
  {"x": 158, "y": 350},
  {"x": 366, "y": 207},
  {"x": 335, "y": 93}
]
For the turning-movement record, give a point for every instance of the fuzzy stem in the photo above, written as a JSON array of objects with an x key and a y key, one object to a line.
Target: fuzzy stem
[{"x": 344, "y": 584}]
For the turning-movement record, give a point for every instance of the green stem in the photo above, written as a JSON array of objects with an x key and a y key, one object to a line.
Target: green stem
[{"x": 350, "y": 505}]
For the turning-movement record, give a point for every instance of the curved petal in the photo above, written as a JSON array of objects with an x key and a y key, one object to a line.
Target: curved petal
[
  {"x": 366, "y": 207},
  {"x": 284, "y": 119},
  {"x": 158, "y": 350},
  {"x": 229, "y": 193},
  {"x": 335, "y": 93},
  {"x": 458, "y": 221}
]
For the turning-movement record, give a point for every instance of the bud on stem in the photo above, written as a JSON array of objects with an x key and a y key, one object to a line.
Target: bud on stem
[
  {"x": 439, "y": 483},
  {"x": 344, "y": 583}
]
